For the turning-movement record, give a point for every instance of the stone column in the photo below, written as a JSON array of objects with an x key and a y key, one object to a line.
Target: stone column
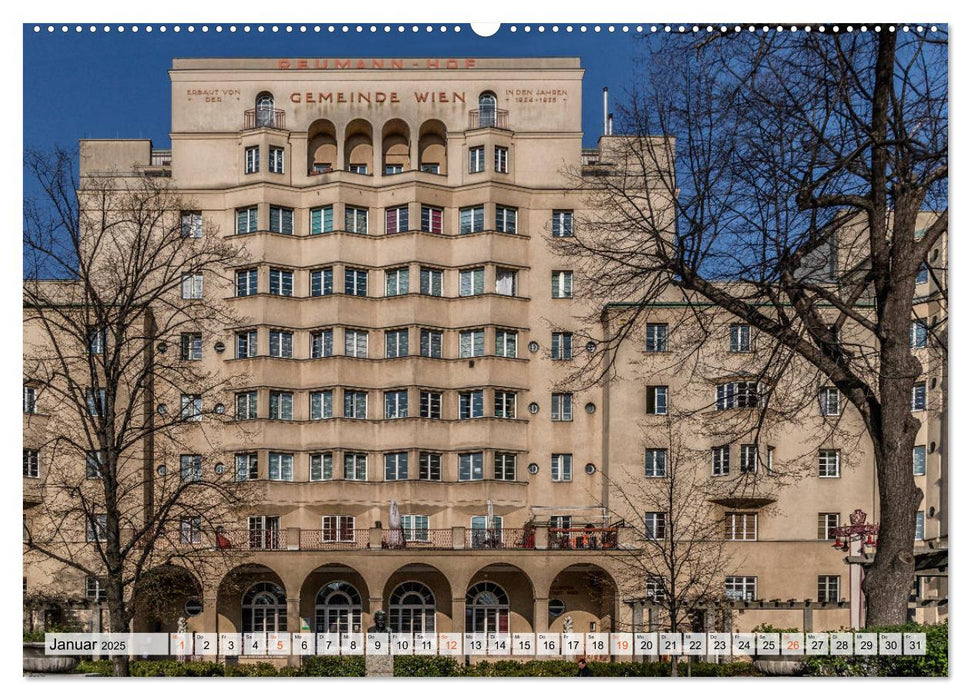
[
  {"x": 637, "y": 624},
  {"x": 209, "y": 618},
  {"x": 377, "y": 151},
  {"x": 458, "y": 614},
  {"x": 458, "y": 541},
  {"x": 542, "y": 536},
  {"x": 541, "y": 614}
]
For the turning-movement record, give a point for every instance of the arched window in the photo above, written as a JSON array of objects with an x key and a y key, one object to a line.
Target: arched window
[
  {"x": 487, "y": 109},
  {"x": 265, "y": 608},
  {"x": 338, "y": 608},
  {"x": 412, "y": 608},
  {"x": 486, "y": 608},
  {"x": 264, "y": 109}
]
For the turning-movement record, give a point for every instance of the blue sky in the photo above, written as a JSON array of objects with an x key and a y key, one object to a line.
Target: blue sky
[{"x": 115, "y": 85}]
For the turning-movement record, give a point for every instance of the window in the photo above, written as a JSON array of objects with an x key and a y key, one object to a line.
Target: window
[
  {"x": 431, "y": 219},
  {"x": 740, "y": 338},
  {"x": 355, "y": 219},
  {"x": 501, "y": 159},
  {"x": 505, "y": 282},
  {"x": 190, "y": 530},
  {"x": 192, "y": 224},
  {"x": 396, "y": 219},
  {"x": 191, "y": 346},
  {"x": 656, "y": 590},
  {"x": 30, "y": 399},
  {"x": 97, "y": 528},
  {"x": 359, "y": 168},
  {"x": 918, "y": 397},
  {"x": 96, "y": 400},
  {"x": 920, "y": 460},
  {"x": 337, "y": 528},
  {"x": 281, "y": 405},
  {"x": 396, "y": 466},
  {"x": 411, "y": 609},
  {"x": 472, "y": 343},
  {"x": 396, "y": 404},
  {"x": 429, "y": 466},
  {"x": 246, "y": 284},
  {"x": 355, "y": 404},
  {"x": 264, "y": 533},
  {"x": 560, "y": 522},
  {"x": 190, "y": 467},
  {"x": 430, "y": 343},
  {"x": 276, "y": 160},
  {"x": 477, "y": 159},
  {"x": 321, "y": 404},
  {"x": 923, "y": 274},
  {"x": 396, "y": 282},
  {"x": 322, "y": 466},
  {"x": 396, "y": 343},
  {"x": 562, "y": 467},
  {"x": 97, "y": 340},
  {"x": 247, "y": 220},
  {"x": 505, "y": 404},
  {"x": 507, "y": 343},
  {"x": 430, "y": 404},
  {"x": 740, "y": 587},
  {"x": 247, "y": 467},
  {"x": 828, "y": 589},
  {"x": 191, "y": 407},
  {"x": 355, "y": 281},
  {"x": 252, "y": 159},
  {"x": 431, "y": 282},
  {"x": 919, "y": 526},
  {"x": 415, "y": 528},
  {"x": 562, "y": 281},
  {"x": 93, "y": 464},
  {"x": 264, "y": 110},
  {"x": 918, "y": 334},
  {"x": 748, "y": 459},
  {"x": 486, "y": 604},
  {"x": 281, "y": 282},
  {"x": 355, "y": 343},
  {"x": 192, "y": 286},
  {"x": 472, "y": 219},
  {"x": 655, "y": 462},
  {"x": 281, "y": 220},
  {"x": 246, "y": 405},
  {"x": 506, "y": 219},
  {"x": 322, "y": 220},
  {"x": 321, "y": 343},
  {"x": 655, "y": 526},
  {"x": 562, "y": 407},
  {"x": 829, "y": 401},
  {"x": 741, "y": 526},
  {"x": 95, "y": 589},
  {"x": 657, "y": 337},
  {"x": 246, "y": 344},
  {"x": 32, "y": 464},
  {"x": 470, "y": 466},
  {"x": 505, "y": 466},
  {"x": 471, "y": 404},
  {"x": 562, "y": 223},
  {"x": 355, "y": 466},
  {"x": 657, "y": 400},
  {"x": 471, "y": 282},
  {"x": 322, "y": 282},
  {"x": 281, "y": 344},
  {"x": 737, "y": 395},
  {"x": 562, "y": 347},
  {"x": 433, "y": 168},
  {"x": 720, "y": 460},
  {"x": 829, "y": 463},
  {"x": 826, "y": 524}
]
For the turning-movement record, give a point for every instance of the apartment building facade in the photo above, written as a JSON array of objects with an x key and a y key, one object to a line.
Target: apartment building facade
[{"x": 406, "y": 337}]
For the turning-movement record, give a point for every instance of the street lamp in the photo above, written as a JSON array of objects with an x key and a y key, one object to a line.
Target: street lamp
[{"x": 858, "y": 530}]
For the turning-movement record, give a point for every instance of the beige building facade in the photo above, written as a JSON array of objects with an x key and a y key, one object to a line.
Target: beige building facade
[{"x": 406, "y": 336}]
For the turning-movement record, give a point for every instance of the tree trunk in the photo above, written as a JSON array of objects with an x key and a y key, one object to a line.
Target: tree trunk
[
  {"x": 674, "y": 666},
  {"x": 118, "y": 620}
]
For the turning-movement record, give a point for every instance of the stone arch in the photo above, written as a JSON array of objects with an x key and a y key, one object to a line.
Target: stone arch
[
  {"x": 518, "y": 587},
  {"x": 359, "y": 144},
  {"x": 429, "y": 576},
  {"x": 235, "y": 585},
  {"x": 160, "y": 597},
  {"x": 322, "y": 146},
  {"x": 396, "y": 145},
  {"x": 324, "y": 579},
  {"x": 589, "y": 595},
  {"x": 432, "y": 147}
]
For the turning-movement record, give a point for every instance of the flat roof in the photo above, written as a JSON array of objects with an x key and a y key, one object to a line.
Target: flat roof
[{"x": 459, "y": 63}]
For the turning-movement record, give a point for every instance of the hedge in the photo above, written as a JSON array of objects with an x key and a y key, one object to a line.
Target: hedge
[{"x": 933, "y": 663}]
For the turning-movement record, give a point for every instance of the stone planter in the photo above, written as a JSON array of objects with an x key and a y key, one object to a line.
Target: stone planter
[
  {"x": 35, "y": 661},
  {"x": 778, "y": 665}
]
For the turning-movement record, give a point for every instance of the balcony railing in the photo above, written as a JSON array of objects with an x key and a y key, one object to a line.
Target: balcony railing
[
  {"x": 265, "y": 539},
  {"x": 270, "y": 118},
  {"x": 583, "y": 538},
  {"x": 496, "y": 118},
  {"x": 417, "y": 539},
  {"x": 323, "y": 540},
  {"x": 161, "y": 157},
  {"x": 495, "y": 538}
]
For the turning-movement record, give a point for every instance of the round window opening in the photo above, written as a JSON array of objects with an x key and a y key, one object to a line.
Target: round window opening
[
  {"x": 219, "y": 408},
  {"x": 533, "y": 346},
  {"x": 161, "y": 470},
  {"x": 933, "y": 382},
  {"x": 556, "y": 608},
  {"x": 591, "y": 346},
  {"x": 590, "y": 408},
  {"x": 220, "y": 346},
  {"x": 192, "y": 607},
  {"x": 933, "y": 447},
  {"x": 219, "y": 468},
  {"x": 591, "y": 468},
  {"x": 935, "y": 254},
  {"x": 534, "y": 407},
  {"x": 533, "y": 468}
]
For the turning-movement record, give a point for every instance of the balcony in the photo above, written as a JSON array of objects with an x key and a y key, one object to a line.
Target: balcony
[
  {"x": 500, "y": 538},
  {"x": 440, "y": 538},
  {"x": 322, "y": 541},
  {"x": 583, "y": 538},
  {"x": 489, "y": 118},
  {"x": 264, "y": 118}
]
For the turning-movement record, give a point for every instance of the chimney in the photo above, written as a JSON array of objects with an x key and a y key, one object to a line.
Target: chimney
[
  {"x": 610, "y": 125},
  {"x": 605, "y": 112}
]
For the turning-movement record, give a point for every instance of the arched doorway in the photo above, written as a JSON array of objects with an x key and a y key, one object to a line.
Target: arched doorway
[
  {"x": 486, "y": 608},
  {"x": 487, "y": 109},
  {"x": 587, "y": 598},
  {"x": 338, "y": 608},
  {"x": 411, "y": 608},
  {"x": 264, "y": 109},
  {"x": 264, "y": 608},
  {"x": 160, "y": 598}
]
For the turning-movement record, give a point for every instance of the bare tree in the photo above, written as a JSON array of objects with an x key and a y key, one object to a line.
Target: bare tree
[
  {"x": 808, "y": 186},
  {"x": 115, "y": 317}
]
